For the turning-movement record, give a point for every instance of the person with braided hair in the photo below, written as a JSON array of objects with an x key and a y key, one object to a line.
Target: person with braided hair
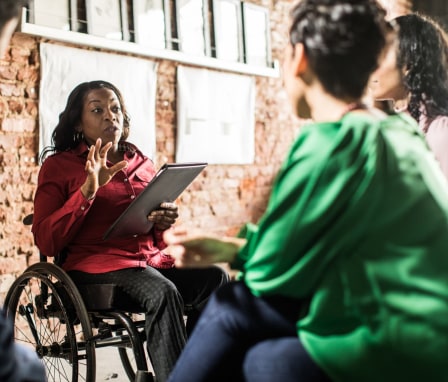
[
  {"x": 340, "y": 279},
  {"x": 414, "y": 76}
]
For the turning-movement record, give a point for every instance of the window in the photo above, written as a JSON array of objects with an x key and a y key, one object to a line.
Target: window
[
  {"x": 151, "y": 18},
  {"x": 51, "y": 14},
  {"x": 192, "y": 27},
  {"x": 256, "y": 35},
  {"x": 227, "y": 41},
  {"x": 222, "y": 34},
  {"x": 107, "y": 18}
]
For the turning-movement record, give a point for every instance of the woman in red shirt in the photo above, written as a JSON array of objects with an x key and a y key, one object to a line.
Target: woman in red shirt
[{"x": 89, "y": 176}]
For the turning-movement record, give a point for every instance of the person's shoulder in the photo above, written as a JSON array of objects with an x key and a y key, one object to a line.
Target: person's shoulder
[
  {"x": 58, "y": 160},
  {"x": 439, "y": 122},
  {"x": 400, "y": 121},
  {"x": 373, "y": 116}
]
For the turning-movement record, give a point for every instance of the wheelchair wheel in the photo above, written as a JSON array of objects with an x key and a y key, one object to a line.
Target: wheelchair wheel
[
  {"x": 133, "y": 353},
  {"x": 50, "y": 317},
  {"x": 127, "y": 357},
  {"x": 128, "y": 362}
]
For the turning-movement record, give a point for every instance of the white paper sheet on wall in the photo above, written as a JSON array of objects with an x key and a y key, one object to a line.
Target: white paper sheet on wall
[
  {"x": 62, "y": 68},
  {"x": 215, "y": 117}
]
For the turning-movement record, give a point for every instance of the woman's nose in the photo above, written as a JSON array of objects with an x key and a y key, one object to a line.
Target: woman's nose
[{"x": 110, "y": 115}]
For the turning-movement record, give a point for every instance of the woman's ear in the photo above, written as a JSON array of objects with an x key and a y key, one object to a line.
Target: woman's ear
[
  {"x": 300, "y": 60},
  {"x": 300, "y": 65}
]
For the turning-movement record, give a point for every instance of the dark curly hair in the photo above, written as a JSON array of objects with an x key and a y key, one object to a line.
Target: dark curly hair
[
  {"x": 342, "y": 40},
  {"x": 65, "y": 135},
  {"x": 422, "y": 57}
]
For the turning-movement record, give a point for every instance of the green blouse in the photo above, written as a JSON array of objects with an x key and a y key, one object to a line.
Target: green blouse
[{"x": 358, "y": 222}]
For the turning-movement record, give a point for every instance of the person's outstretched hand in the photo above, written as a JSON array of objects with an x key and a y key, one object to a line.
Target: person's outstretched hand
[
  {"x": 98, "y": 174},
  {"x": 165, "y": 216},
  {"x": 198, "y": 250}
]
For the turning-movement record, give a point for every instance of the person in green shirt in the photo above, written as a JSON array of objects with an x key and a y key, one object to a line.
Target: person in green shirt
[{"x": 345, "y": 276}]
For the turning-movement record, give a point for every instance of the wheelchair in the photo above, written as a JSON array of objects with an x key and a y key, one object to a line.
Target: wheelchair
[{"x": 65, "y": 323}]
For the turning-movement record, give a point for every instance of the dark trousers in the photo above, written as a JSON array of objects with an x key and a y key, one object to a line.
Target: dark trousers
[
  {"x": 240, "y": 337},
  {"x": 165, "y": 296}
]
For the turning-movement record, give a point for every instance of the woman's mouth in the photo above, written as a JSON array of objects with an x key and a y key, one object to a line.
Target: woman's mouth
[{"x": 111, "y": 129}]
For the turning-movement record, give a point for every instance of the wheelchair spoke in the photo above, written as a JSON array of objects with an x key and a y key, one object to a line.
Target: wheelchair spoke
[{"x": 45, "y": 319}]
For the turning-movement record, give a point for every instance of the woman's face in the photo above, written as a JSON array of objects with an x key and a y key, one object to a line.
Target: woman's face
[
  {"x": 101, "y": 117},
  {"x": 386, "y": 82}
]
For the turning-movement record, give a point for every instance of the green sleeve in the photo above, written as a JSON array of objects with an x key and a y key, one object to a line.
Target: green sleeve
[
  {"x": 246, "y": 232},
  {"x": 318, "y": 195}
]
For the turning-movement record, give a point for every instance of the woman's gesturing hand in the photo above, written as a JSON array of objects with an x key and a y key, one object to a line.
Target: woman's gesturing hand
[
  {"x": 198, "y": 250},
  {"x": 98, "y": 174}
]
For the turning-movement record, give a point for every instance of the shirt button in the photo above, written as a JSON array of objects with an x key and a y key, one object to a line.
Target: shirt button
[
  {"x": 132, "y": 196},
  {"x": 125, "y": 179},
  {"x": 83, "y": 208}
]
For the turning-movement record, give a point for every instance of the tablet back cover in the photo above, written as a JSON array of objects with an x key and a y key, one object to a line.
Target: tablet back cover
[{"x": 169, "y": 182}]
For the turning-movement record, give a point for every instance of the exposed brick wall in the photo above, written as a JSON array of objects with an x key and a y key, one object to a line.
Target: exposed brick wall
[{"x": 19, "y": 81}]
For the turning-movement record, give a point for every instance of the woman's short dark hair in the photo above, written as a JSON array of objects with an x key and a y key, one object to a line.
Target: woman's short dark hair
[
  {"x": 65, "y": 136},
  {"x": 342, "y": 40},
  {"x": 422, "y": 57}
]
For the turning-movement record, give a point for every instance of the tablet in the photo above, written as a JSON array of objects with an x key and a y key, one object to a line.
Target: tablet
[{"x": 169, "y": 182}]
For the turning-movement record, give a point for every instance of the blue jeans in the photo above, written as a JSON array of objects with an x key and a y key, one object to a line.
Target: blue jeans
[{"x": 240, "y": 337}]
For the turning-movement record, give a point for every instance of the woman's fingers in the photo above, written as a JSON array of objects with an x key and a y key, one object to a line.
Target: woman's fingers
[
  {"x": 165, "y": 216},
  {"x": 103, "y": 150}
]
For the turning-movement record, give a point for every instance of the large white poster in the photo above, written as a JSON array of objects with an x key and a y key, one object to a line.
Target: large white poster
[
  {"x": 62, "y": 68},
  {"x": 215, "y": 117}
]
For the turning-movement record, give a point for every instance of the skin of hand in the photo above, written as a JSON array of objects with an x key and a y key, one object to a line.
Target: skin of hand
[
  {"x": 164, "y": 217},
  {"x": 98, "y": 174},
  {"x": 197, "y": 250}
]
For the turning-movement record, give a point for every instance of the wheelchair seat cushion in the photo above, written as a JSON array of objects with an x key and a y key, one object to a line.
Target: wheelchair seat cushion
[{"x": 107, "y": 297}]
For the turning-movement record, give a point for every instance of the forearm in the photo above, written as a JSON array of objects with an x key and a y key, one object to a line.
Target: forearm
[
  {"x": 54, "y": 225},
  {"x": 230, "y": 249}
]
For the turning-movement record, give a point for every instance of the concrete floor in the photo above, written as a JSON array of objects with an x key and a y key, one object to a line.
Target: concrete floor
[{"x": 108, "y": 366}]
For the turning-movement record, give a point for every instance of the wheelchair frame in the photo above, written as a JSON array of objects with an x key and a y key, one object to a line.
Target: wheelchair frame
[{"x": 65, "y": 324}]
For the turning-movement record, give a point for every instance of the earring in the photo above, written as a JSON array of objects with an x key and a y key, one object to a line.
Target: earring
[{"x": 78, "y": 137}]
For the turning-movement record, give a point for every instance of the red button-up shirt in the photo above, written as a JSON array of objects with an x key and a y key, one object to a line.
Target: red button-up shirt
[{"x": 65, "y": 220}]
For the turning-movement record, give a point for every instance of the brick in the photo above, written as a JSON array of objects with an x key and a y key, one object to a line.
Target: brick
[
  {"x": 8, "y": 72},
  {"x": 18, "y": 125},
  {"x": 8, "y": 90}
]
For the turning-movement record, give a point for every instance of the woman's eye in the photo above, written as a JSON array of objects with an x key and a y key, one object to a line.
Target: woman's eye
[
  {"x": 116, "y": 109},
  {"x": 96, "y": 110}
]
